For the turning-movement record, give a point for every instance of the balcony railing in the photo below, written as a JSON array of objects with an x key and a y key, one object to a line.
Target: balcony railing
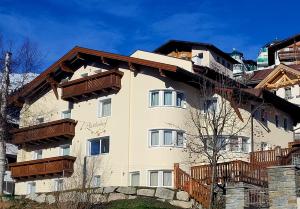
[
  {"x": 45, "y": 133},
  {"x": 92, "y": 85},
  {"x": 43, "y": 168}
]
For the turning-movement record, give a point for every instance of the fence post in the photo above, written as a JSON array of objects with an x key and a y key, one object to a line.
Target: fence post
[
  {"x": 176, "y": 168},
  {"x": 191, "y": 186}
]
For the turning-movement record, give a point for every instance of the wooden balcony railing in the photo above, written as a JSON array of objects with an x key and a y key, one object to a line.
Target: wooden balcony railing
[
  {"x": 92, "y": 85},
  {"x": 267, "y": 158},
  {"x": 45, "y": 132},
  {"x": 42, "y": 168},
  {"x": 233, "y": 171}
]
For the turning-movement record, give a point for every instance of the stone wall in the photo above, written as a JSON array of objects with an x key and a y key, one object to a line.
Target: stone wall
[
  {"x": 107, "y": 194},
  {"x": 284, "y": 185}
]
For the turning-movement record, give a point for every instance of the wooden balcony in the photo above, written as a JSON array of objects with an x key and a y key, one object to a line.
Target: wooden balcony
[
  {"x": 43, "y": 168},
  {"x": 109, "y": 81},
  {"x": 45, "y": 133}
]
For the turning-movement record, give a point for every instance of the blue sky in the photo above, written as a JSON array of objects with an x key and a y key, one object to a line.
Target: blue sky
[{"x": 124, "y": 26}]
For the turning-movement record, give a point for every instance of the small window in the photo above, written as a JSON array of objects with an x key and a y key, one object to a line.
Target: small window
[
  {"x": 31, "y": 188},
  {"x": 234, "y": 144},
  {"x": 40, "y": 120},
  {"x": 105, "y": 108},
  {"x": 154, "y": 138},
  {"x": 65, "y": 150},
  {"x": 97, "y": 181},
  {"x": 154, "y": 178},
  {"x": 168, "y": 98},
  {"x": 210, "y": 105},
  {"x": 200, "y": 55},
  {"x": 98, "y": 146},
  {"x": 264, "y": 146},
  {"x": 167, "y": 138},
  {"x": 276, "y": 120},
  {"x": 135, "y": 179},
  {"x": 58, "y": 185},
  {"x": 84, "y": 75},
  {"x": 37, "y": 154},
  {"x": 263, "y": 115},
  {"x": 167, "y": 178},
  {"x": 70, "y": 105},
  {"x": 288, "y": 93},
  {"x": 285, "y": 124},
  {"x": 154, "y": 98},
  {"x": 66, "y": 114},
  {"x": 179, "y": 99},
  {"x": 179, "y": 139},
  {"x": 245, "y": 145}
]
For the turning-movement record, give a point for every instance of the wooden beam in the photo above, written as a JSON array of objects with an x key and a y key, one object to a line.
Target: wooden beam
[
  {"x": 54, "y": 85},
  {"x": 161, "y": 72},
  {"x": 66, "y": 68}
]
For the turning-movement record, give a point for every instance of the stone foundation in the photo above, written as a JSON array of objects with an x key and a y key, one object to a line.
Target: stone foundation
[{"x": 102, "y": 195}]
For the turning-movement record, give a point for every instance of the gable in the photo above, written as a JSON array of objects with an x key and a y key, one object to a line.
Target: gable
[{"x": 281, "y": 76}]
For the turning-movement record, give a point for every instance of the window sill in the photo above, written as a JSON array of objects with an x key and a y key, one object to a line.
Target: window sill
[
  {"x": 165, "y": 146},
  {"x": 166, "y": 106},
  {"x": 102, "y": 154}
]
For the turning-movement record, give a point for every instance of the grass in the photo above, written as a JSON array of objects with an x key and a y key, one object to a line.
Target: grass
[{"x": 138, "y": 203}]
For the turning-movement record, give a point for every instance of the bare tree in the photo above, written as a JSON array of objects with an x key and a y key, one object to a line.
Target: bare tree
[
  {"x": 15, "y": 68},
  {"x": 212, "y": 127}
]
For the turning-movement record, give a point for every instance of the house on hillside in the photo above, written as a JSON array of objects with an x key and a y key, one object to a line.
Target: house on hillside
[{"x": 119, "y": 120}]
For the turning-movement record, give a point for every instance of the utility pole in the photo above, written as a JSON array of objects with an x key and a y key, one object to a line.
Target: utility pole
[{"x": 3, "y": 117}]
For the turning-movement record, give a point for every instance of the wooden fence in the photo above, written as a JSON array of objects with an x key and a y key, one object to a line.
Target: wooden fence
[
  {"x": 233, "y": 171},
  {"x": 196, "y": 189},
  {"x": 269, "y": 157}
]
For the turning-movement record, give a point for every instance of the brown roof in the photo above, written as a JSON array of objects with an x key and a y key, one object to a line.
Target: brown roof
[{"x": 261, "y": 74}]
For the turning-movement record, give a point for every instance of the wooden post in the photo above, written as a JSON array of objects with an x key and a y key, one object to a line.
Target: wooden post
[
  {"x": 191, "y": 186},
  {"x": 176, "y": 168}
]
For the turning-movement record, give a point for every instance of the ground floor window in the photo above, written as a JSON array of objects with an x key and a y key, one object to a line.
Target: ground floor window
[
  {"x": 160, "y": 178},
  {"x": 97, "y": 181},
  {"x": 58, "y": 184},
  {"x": 135, "y": 179},
  {"x": 31, "y": 188}
]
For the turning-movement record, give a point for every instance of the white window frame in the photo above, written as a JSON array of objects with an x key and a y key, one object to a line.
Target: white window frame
[
  {"x": 29, "y": 186},
  {"x": 63, "y": 112},
  {"x": 39, "y": 118},
  {"x": 160, "y": 178},
  {"x": 56, "y": 184},
  {"x": 100, "y": 105},
  {"x": 161, "y": 138},
  {"x": 61, "y": 147},
  {"x": 100, "y": 138},
  {"x": 161, "y": 94},
  {"x": 95, "y": 182},
  {"x": 205, "y": 108},
  {"x": 35, "y": 154},
  {"x": 130, "y": 177}
]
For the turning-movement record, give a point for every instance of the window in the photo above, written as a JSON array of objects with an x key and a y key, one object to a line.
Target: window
[
  {"x": 65, "y": 150},
  {"x": 264, "y": 146},
  {"x": 98, "y": 146},
  {"x": 154, "y": 98},
  {"x": 276, "y": 120},
  {"x": 285, "y": 124},
  {"x": 105, "y": 108},
  {"x": 58, "y": 184},
  {"x": 84, "y": 75},
  {"x": 40, "y": 120},
  {"x": 66, "y": 114},
  {"x": 288, "y": 93},
  {"x": 135, "y": 179},
  {"x": 37, "y": 154},
  {"x": 154, "y": 138},
  {"x": 210, "y": 105},
  {"x": 234, "y": 144},
  {"x": 179, "y": 139},
  {"x": 167, "y": 98},
  {"x": 263, "y": 115},
  {"x": 166, "y": 137},
  {"x": 245, "y": 145},
  {"x": 160, "y": 178},
  {"x": 154, "y": 178},
  {"x": 96, "y": 181},
  {"x": 179, "y": 99},
  {"x": 31, "y": 187},
  {"x": 167, "y": 178}
]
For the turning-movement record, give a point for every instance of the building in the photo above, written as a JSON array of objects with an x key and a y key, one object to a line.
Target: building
[
  {"x": 243, "y": 66},
  {"x": 119, "y": 120}
]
